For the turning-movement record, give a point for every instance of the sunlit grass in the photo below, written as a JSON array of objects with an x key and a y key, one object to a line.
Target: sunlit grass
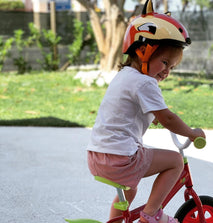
[{"x": 57, "y": 99}]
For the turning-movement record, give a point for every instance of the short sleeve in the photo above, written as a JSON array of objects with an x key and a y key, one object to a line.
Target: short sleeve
[{"x": 149, "y": 97}]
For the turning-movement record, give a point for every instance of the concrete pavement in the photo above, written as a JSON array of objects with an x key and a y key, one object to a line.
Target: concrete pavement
[{"x": 44, "y": 176}]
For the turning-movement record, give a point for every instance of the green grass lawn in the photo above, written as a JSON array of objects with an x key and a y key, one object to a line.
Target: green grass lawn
[
  {"x": 57, "y": 99},
  {"x": 191, "y": 99}
]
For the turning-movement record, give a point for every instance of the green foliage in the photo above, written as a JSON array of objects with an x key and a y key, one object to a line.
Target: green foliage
[
  {"x": 11, "y": 5},
  {"x": 50, "y": 59},
  {"x": 210, "y": 50},
  {"x": 76, "y": 46},
  {"x": 35, "y": 34},
  {"x": 202, "y": 3},
  {"x": 5, "y": 47},
  {"x": 21, "y": 44},
  {"x": 80, "y": 42},
  {"x": 46, "y": 41},
  {"x": 93, "y": 52}
]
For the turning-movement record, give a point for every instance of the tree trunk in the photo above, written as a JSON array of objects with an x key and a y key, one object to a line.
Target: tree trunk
[
  {"x": 109, "y": 35},
  {"x": 165, "y": 2},
  {"x": 115, "y": 29}
]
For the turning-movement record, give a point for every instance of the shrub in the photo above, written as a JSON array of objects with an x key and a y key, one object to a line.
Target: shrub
[
  {"x": 5, "y": 47},
  {"x": 21, "y": 44},
  {"x": 80, "y": 42},
  {"x": 76, "y": 46},
  {"x": 11, "y": 5}
]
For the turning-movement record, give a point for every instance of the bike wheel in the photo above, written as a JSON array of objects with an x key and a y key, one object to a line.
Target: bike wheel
[{"x": 188, "y": 212}]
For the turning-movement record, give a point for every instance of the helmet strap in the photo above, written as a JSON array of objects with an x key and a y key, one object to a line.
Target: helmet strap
[{"x": 144, "y": 57}]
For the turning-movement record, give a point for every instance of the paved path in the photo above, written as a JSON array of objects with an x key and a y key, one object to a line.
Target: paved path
[{"x": 44, "y": 176}]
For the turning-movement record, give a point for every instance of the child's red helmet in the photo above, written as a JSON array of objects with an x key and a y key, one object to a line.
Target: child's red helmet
[{"x": 154, "y": 29}]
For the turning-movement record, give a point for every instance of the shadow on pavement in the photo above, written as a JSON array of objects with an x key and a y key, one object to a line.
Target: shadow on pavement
[{"x": 41, "y": 122}]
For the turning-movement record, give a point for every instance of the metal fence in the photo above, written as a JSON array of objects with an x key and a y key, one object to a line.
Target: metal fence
[
  {"x": 12, "y": 20},
  {"x": 199, "y": 24},
  {"x": 196, "y": 58}
]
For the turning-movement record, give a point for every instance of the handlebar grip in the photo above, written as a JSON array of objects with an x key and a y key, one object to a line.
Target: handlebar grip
[{"x": 200, "y": 142}]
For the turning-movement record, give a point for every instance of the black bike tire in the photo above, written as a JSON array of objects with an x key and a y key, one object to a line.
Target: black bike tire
[{"x": 190, "y": 204}]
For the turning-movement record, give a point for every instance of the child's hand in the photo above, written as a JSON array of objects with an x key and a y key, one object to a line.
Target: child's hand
[{"x": 197, "y": 133}]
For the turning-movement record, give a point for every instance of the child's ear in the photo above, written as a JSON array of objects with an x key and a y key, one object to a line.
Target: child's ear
[{"x": 142, "y": 49}]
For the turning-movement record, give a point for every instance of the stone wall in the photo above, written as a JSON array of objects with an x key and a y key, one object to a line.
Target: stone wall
[
  {"x": 32, "y": 55},
  {"x": 196, "y": 58}
]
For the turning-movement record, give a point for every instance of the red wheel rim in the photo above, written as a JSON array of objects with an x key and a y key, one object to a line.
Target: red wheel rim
[{"x": 193, "y": 217}]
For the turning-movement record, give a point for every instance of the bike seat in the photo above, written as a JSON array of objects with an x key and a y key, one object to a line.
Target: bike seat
[{"x": 109, "y": 182}]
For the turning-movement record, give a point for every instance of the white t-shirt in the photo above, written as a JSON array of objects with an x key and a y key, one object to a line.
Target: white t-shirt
[{"x": 125, "y": 113}]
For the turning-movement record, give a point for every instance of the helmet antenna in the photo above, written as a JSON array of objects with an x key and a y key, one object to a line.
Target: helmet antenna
[
  {"x": 168, "y": 13},
  {"x": 148, "y": 8}
]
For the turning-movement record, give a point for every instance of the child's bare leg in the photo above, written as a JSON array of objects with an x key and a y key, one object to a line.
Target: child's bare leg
[
  {"x": 169, "y": 165},
  {"x": 130, "y": 195}
]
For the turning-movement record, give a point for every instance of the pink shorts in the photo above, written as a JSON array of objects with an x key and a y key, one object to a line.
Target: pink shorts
[{"x": 125, "y": 170}]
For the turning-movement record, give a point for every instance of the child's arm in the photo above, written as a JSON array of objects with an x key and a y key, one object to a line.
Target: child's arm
[{"x": 173, "y": 123}]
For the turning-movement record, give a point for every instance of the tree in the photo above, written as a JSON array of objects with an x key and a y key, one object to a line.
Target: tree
[
  {"x": 184, "y": 4},
  {"x": 201, "y": 3},
  {"x": 109, "y": 29},
  {"x": 165, "y": 2}
]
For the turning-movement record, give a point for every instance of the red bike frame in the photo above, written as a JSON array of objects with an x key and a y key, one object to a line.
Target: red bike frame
[{"x": 185, "y": 179}]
